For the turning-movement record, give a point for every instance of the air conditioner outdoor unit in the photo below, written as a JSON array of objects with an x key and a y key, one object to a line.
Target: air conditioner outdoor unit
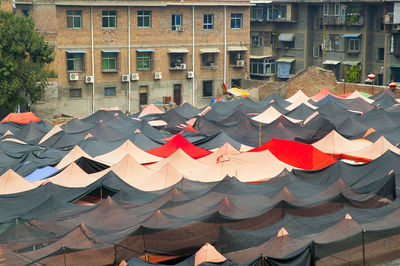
[
  {"x": 182, "y": 66},
  {"x": 89, "y": 79},
  {"x": 135, "y": 76},
  {"x": 179, "y": 28},
  {"x": 73, "y": 76},
  {"x": 190, "y": 74},
  {"x": 240, "y": 63},
  {"x": 157, "y": 75},
  {"x": 125, "y": 78}
]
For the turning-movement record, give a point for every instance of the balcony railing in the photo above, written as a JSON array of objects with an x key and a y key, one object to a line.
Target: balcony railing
[
  {"x": 354, "y": 19},
  {"x": 333, "y": 19}
]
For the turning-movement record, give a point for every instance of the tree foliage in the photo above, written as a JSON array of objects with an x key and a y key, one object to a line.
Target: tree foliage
[
  {"x": 24, "y": 55},
  {"x": 352, "y": 74}
]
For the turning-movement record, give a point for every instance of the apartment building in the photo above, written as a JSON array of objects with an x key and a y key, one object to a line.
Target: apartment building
[
  {"x": 287, "y": 36},
  {"x": 127, "y": 54}
]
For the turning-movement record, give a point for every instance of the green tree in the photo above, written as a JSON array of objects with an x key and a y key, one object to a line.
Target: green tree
[
  {"x": 24, "y": 55},
  {"x": 352, "y": 74}
]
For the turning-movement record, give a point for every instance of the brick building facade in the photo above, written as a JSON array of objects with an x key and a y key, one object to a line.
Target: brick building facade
[{"x": 128, "y": 53}]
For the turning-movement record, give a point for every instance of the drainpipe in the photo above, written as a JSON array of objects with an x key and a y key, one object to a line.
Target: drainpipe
[
  {"x": 194, "y": 76},
  {"x": 92, "y": 48},
  {"x": 225, "y": 44},
  {"x": 129, "y": 59}
]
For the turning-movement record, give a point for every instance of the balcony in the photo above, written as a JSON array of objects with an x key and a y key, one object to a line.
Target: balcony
[
  {"x": 354, "y": 20},
  {"x": 261, "y": 50},
  {"x": 333, "y": 19}
]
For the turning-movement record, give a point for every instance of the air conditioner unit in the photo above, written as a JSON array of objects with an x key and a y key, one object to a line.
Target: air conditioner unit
[
  {"x": 190, "y": 74},
  {"x": 89, "y": 79},
  {"x": 135, "y": 76},
  {"x": 240, "y": 63},
  {"x": 125, "y": 78},
  {"x": 182, "y": 66},
  {"x": 73, "y": 76},
  {"x": 179, "y": 28},
  {"x": 157, "y": 75}
]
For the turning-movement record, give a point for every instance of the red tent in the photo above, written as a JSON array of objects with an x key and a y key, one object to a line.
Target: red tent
[
  {"x": 297, "y": 154},
  {"x": 22, "y": 118},
  {"x": 321, "y": 94},
  {"x": 179, "y": 142}
]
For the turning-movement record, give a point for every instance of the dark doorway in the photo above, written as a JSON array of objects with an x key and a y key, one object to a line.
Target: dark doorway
[
  {"x": 236, "y": 83},
  {"x": 143, "y": 95},
  {"x": 177, "y": 94}
]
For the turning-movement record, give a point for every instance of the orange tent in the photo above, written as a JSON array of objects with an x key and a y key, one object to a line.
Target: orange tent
[
  {"x": 21, "y": 118},
  {"x": 321, "y": 94}
]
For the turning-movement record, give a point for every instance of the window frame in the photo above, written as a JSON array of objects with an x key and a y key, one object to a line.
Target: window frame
[
  {"x": 107, "y": 56},
  {"x": 265, "y": 67},
  {"x": 207, "y": 25},
  {"x": 141, "y": 19},
  {"x": 352, "y": 43},
  {"x": 173, "y": 60},
  {"x": 234, "y": 56},
  {"x": 175, "y": 21},
  {"x": 236, "y": 21},
  {"x": 107, "y": 14},
  {"x": 72, "y": 57},
  {"x": 211, "y": 83},
  {"x": 106, "y": 94},
  {"x": 205, "y": 58},
  {"x": 257, "y": 12},
  {"x": 378, "y": 54},
  {"x": 71, "y": 94},
  {"x": 72, "y": 16},
  {"x": 144, "y": 58}
]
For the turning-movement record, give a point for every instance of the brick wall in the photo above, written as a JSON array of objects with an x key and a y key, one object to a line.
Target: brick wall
[{"x": 6, "y": 5}]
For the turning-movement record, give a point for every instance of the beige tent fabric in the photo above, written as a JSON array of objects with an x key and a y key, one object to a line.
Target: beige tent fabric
[
  {"x": 8, "y": 133},
  {"x": 375, "y": 150},
  {"x": 246, "y": 167},
  {"x": 126, "y": 148},
  {"x": 297, "y": 103},
  {"x": 207, "y": 253},
  {"x": 72, "y": 176},
  {"x": 226, "y": 149},
  {"x": 334, "y": 143},
  {"x": 298, "y": 96},
  {"x": 270, "y": 115},
  {"x": 129, "y": 170},
  {"x": 181, "y": 161},
  {"x": 362, "y": 142},
  {"x": 11, "y": 182},
  {"x": 150, "y": 109},
  {"x": 163, "y": 178},
  {"x": 11, "y": 139},
  {"x": 357, "y": 94},
  {"x": 74, "y": 154},
  {"x": 52, "y": 131}
]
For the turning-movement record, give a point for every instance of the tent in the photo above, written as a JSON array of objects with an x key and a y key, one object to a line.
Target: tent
[
  {"x": 21, "y": 118},
  {"x": 11, "y": 182}
]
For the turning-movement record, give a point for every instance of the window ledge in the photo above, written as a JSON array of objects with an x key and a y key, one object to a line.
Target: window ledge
[
  {"x": 76, "y": 71},
  {"x": 144, "y": 69},
  {"x": 352, "y": 52},
  {"x": 209, "y": 67},
  {"x": 176, "y": 69},
  {"x": 109, "y": 70},
  {"x": 207, "y": 97},
  {"x": 75, "y": 98}
]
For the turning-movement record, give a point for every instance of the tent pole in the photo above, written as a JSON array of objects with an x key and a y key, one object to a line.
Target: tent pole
[
  {"x": 101, "y": 193},
  {"x": 16, "y": 229},
  {"x": 363, "y": 246},
  {"x": 65, "y": 258}
]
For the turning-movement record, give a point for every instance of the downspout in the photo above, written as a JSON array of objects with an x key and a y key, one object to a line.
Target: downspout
[
  {"x": 129, "y": 59},
  {"x": 225, "y": 44},
  {"x": 194, "y": 76},
  {"x": 92, "y": 48}
]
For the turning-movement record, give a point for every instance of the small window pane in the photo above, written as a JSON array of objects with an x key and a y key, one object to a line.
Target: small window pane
[
  {"x": 111, "y": 91},
  {"x": 75, "y": 93},
  {"x": 207, "y": 88},
  {"x": 74, "y": 19}
]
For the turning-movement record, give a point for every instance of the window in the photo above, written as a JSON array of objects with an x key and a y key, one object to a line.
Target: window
[
  {"x": 75, "y": 93},
  {"x": 74, "y": 19},
  {"x": 331, "y": 9},
  {"x": 257, "y": 41},
  {"x": 75, "y": 62},
  {"x": 236, "y": 83},
  {"x": 317, "y": 51},
  {"x": 379, "y": 26},
  {"x": 334, "y": 42},
  {"x": 236, "y": 20},
  {"x": 395, "y": 44},
  {"x": 176, "y": 59},
  {"x": 110, "y": 91},
  {"x": 143, "y": 61},
  {"x": 208, "y": 21},
  {"x": 208, "y": 59},
  {"x": 109, "y": 61},
  {"x": 354, "y": 45},
  {"x": 381, "y": 54},
  {"x": 264, "y": 67},
  {"x": 176, "y": 22},
  {"x": 144, "y": 19},
  {"x": 276, "y": 12},
  {"x": 26, "y": 12},
  {"x": 109, "y": 19},
  {"x": 207, "y": 88},
  {"x": 257, "y": 12},
  {"x": 143, "y": 95},
  {"x": 235, "y": 56}
]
